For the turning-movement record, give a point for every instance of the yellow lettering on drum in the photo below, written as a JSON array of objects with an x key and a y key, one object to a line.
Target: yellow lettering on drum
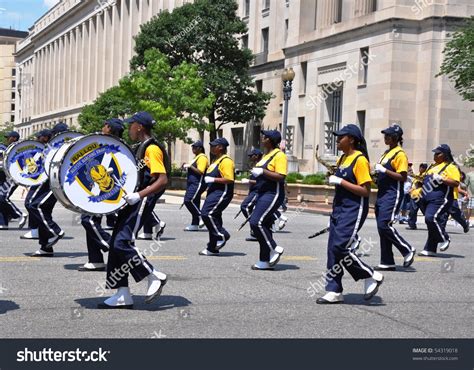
[{"x": 81, "y": 153}]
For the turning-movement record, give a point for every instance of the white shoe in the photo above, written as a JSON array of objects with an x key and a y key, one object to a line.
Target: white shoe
[
  {"x": 262, "y": 265},
  {"x": 427, "y": 253},
  {"x": 202, "y": 224},
  {"x": 3, "y": 227},
  {"x": 156, "y": 282},
  {"x": 444, "y": 245},
  {"x": 191, "y": 228},
  {"x": 409, "y": 258},
  {"x": 145, "y": 236},
  {"x": 275, "y": 255},
  {"x": 282, "y": 223},
  {"x": 42, "y": 253},
  {"x": 32, "y": 234},
  {"x": 52, "y": 241},
  {"x": 330, "y": 298},
  {"x": 23, "y": 219},
  {"x": 355, "y": 244},
  {"x": 160, "y": 229},
  {"x": 207, "y": 252},
  {"x": 372, "y": 284},
  {"x": 89, "y": 266},
  {"x": 121, "y": 299}
]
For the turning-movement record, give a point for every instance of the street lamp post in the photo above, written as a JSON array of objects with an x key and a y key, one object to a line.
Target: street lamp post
[{"x": 287, "y": 77}]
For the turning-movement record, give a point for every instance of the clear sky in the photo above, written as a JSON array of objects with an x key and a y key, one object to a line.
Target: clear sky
[{"x": 21, "y": 14}]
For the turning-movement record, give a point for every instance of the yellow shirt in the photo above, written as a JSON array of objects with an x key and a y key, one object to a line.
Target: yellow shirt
[
  {"x": 361, "y": 167},
  {"x": 226, "y": 167},
  {"x": 278, "y": 164},
  {"x": 450, "y": 172},
  {"x": 154, "y": 160},
  {"x": 201, "y": 162},
  {"x": 399, "y": 163}
]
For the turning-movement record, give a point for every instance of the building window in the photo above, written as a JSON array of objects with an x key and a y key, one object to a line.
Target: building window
[
  {"x": 286, "y": 29},
  {"x": 220, "y": 133},
  {"x": 12, "y": 118},
  {"x": 265, "y": 40},
  {"x": 238, "y": 136},
  {"x": 334, "y": 114},
  {"x": 256, "y": 136},
  {"x": 13, "y": 107},
  {"x": 363, "y": 66},
  {"x": 301, "y": 137},
  {"x": 13, "y": 95},
  {"x": 339, "y": 11},
  {"x": 245, "y": 41},
  {"x": 304, "y": 71},
  {"x": 266, "y": 4},
  {"x": 247, "y": 8},
  {"x": 14, "y": 72},
  {"x": 259, "y": 85},
  {"x": 13, "y": 84},
  {"x": 361, "y": 121}
]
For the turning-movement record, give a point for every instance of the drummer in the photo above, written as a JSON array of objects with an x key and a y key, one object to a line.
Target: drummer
[
  {"x": 42, "y": 205},
  {"x": 8, "y": 210},
  {"x": 97, "y": 239},
  {"x": 124, "y": 257}
]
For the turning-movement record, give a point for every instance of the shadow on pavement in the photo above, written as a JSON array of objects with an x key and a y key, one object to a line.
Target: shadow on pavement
[
  {"x": 62, "y": 255},
  {"x": 358, "y": 300},
  {"x": 165, "y": 302},
  {"x": 283, "y": 267},
  {"x": 6, "y": 306},
  {"x": 231, "y": 254}
]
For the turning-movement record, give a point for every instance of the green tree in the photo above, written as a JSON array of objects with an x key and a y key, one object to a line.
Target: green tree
[
  {"x": 207, "y": 33},
  {"x": 6, "y": 128},
  {"x": 458, "y": 63}
]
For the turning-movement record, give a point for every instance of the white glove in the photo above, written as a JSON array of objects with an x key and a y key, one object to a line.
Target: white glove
[
  {"x": 438, "y": 178},
  {"x": 209, "y": 179},
  {"x": 245, "y": 181},
  {"x": 334, "y": 180},
  {"x": 186, "y": 166},
  {"x": 257, "y": 171},
  {"x": 132, "y": 198},
  {"x": 380, "y": 168}
]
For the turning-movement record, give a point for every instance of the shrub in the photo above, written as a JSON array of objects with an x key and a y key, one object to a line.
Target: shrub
[
  {"x": 315, "y": 179},
  {"x": 292, "y": 177}
]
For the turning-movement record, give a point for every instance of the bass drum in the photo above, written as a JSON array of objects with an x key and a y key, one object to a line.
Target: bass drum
[
  {"x": 23, "y": 163},
  {"x": 54, "y": 144},
  {"x": 89, "y": 174},
  {"x": 2, "y": 152}
]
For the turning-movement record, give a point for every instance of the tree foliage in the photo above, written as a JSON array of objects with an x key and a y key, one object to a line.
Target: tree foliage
[
  {"x": 458, "y": 63},
  {"x": 207, "y": 33}
]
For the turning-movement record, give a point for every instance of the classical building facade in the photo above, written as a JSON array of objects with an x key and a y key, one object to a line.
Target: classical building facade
[
  {"x": 8, "y": 40},
  {"x": 369, "y": 62}
]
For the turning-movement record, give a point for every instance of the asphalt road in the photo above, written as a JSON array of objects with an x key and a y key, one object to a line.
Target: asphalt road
[{"x": 220, "y": 297}]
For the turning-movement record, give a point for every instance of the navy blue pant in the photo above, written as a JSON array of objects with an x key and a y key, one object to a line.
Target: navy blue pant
[
  {"x": 343, "y": 230},
  {"x": 41, "y": 209},
  {"x": 150, "y": 218},
  {"x": 111, "y": 219},
  {"x": 262, "y": 219},
  {"x": 97, "y": 239},
  {"x": 248, "y": 204},
  {"x": 8, "y": 209},
  {"x": 192, "y": 200},
  {"x": 32, "y": 222},
  {"x": 435, "y": 211},
  {"x": 386, "y": 208},
  {"x": 124, "y": 256},
  {"x": 211, "y": 213},
  {"x": 457, "y": 215},
  {"x": 413, "y": 213}
]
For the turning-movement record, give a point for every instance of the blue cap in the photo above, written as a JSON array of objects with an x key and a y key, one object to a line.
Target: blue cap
[
  {"x": 351, "y": 130},
  {"x": 443, "y": 148},
  {"x": 393, "y": 130},
  {"x": 198, "y": 144},
  {"x": 143, "y": 118},
  {"x": 114, "y": 123},
  {"x": 14, "y": 134},
  {"x": 219, "y": 141},
  {"x": 255, "y": 152},
  {"x": 59, "y": 127},
  {"x": 273, "y": 135},
  {"x": 45, "y": 132}
]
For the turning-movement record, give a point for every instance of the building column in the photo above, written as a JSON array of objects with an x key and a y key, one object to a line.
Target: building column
[
  {"x": 363, "y": 7},
  {"x": 327, "y": 12}
]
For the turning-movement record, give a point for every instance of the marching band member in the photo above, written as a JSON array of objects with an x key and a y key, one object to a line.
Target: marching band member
[
  {"x": 42, "y": 204},
  {"x": 97, "y": 239},
  {"x": 270, "y": 173},
  {"x": 195, "y": 184},
  {"x": 124, "y": 256},
  {"x": 220, "y": 191},
  {"x": 392, "y": 173},
  {"x": 350, "y": 209},
  {"x": 248, "y": 204},
  {"x": 437, "y": 197},
  {"x": 455, "y": 211},
  {"x": 415, "y": 192},
  {"x": 8, "y": 210}
]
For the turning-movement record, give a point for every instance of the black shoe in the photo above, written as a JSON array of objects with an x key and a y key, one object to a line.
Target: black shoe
[
  {"x": 383, "y": 268},
  {"x": 411, "y": 228},
  {"x": 104, "y": 306},
  {"x": 251, "y": 239},
  {"x": 466, "y": 229}
]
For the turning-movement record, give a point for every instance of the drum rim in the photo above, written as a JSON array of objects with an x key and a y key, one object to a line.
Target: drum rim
[
  {"x": 61, "y": 183},
  {"x": 7, "y": 152},
  {"x": 46, "y": 145}
]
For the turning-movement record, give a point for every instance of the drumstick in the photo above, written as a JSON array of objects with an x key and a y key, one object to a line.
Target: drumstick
[
  {"x": 110, "y": 171},
  {"x": 320, "y": 232}
]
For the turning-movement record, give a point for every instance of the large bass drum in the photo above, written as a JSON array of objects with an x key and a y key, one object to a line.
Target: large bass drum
[
  {"x": 54, "y": 144},
  {"x": 89, "y": 174},
  {"x": 23, "y": 163}
]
